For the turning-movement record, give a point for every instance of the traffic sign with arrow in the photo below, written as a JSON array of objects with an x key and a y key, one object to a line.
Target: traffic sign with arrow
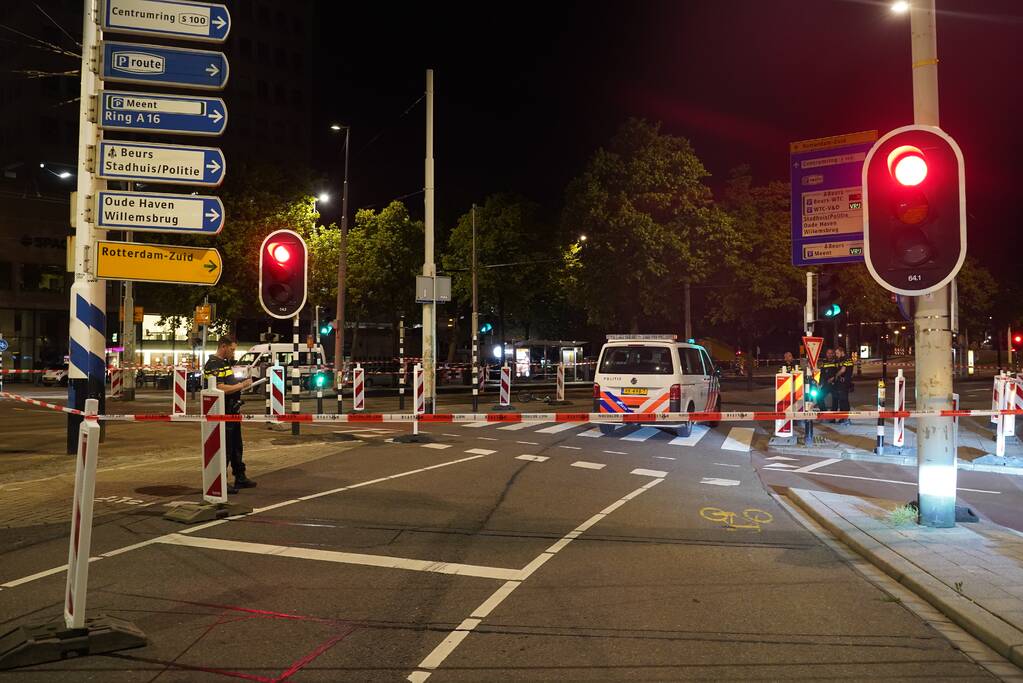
[
  {"x": 149, "y": 112},
  {"x": 169, "y": 18},
  {"x": 154, "y": 212},
  {"x": 162, "y": 65},
  {"x": 157, "y": 263},
  {"x": 180, "y": 164}
]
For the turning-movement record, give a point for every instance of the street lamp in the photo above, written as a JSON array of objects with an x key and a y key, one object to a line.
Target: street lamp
[
  {"x": 323, "y": 198},
  {"x": 342, "y": 268},
  {"x": 900, "y": 7},
  {"x": 582, "y": 238}
]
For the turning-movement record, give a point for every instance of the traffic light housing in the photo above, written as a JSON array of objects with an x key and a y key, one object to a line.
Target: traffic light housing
[
  {"x": 914, "y": 210},
  {"x": 827, "y": 293},
  {"x": 1017, "y": 340},
  {"x": 283, "y": 274},
  {"x": 328, "y": 327}
]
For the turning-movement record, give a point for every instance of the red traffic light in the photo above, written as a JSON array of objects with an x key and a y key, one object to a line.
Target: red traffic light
[
  {"x": 908, "y": 165},
  {"x": 279, "y": 252},
  {"x": 1017, "y": 339}
]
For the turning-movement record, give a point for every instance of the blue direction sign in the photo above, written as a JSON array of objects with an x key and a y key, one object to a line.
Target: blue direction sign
[
  {"x": 171, "y": 18},
  {"x": 162, "y": 65},
  {"x": 153, "y": 212},
  {"x": 827, "y": 198},
  {"x": 153, "y": 113},
  {"x": 178, "y": 164}
]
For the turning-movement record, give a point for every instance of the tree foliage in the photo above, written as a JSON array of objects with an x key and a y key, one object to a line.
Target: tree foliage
[{"x": 651, "y": 225}]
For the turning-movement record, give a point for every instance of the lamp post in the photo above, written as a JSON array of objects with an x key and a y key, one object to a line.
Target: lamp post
[{"x": 342, "y": 271}]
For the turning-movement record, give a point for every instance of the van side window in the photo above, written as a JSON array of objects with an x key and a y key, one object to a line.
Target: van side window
[
  {"x": 693, "y": 365},
  {"x": 707, "y": 362}
]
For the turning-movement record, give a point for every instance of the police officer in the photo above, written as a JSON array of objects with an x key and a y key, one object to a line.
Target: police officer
[
  {"x": 843, "y": 382},
  {"x": 828, "y": 368},
  {"x": 219, "y": 365}
]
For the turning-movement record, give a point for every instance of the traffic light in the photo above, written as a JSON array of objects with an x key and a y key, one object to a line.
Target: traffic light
[
  {"x": 832, "y": 310},
  {"x": 914, "y": 210},
  {"x": 486, "y": 328},
  {"x": 1017, "y": 340},
  {"x": 827, "y": 293},
  {"x": 283, "y": 262},
  {"x": 327, "y": 327}
]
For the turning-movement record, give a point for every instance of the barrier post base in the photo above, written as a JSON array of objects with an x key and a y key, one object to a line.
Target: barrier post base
[
  {"x": 53, "y": 641},
  {"x": 783, "y": 440},
  {"x": 554, "y": 402},
  {"x": 194, "y": 513},
  {"x": 503, "y": 409}
]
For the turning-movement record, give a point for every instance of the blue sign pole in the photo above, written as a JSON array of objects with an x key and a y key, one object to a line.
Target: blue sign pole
[
  {"x": 155, "y": 212},
  {"x": 162, "y": 65},
  {"x": 177, "y": 164},
  {"x": 149, "y": 112},
  {"x": 167, "y": 18}
]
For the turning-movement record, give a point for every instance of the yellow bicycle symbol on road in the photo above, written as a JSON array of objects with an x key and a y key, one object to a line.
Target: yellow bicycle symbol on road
[{"x": 754, "y": 518}]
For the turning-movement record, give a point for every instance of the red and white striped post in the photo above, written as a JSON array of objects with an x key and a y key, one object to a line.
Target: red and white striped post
[
  {"x": 783, "y": 385},
  {"x": 505, "y": 397},
  {"x": 879, "y": 447},
  {"x": 358, "y": 388},
  {"x": 482, "y": 378},
  {"x": 955, "y": 426},
  {"x": 1003, "y": 389},
  {"x": 180, "y": 377},
  {"x": 116, "y": 382},
  {"x": 419, "y": 387},
  {"x": 996, "y": 395},
  {"x": 276, "y": 389},
  {"x": 214, "y": 457},
  {"x": 899, "y": 404},
  {"x": 81, "y": 518},
  {"x": 1012, "y": 388},
  {"x": 559, "y": 393}
]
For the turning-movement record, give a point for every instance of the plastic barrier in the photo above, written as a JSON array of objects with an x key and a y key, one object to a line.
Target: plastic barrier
[
  {"x": 899, "y": 404},
  {"x": 358, "y": 388},
  {"x": 420, "y": 389},
  {"x": 505, "y": 397},
  {"x": 179, "y": 406},
  {"x": 879, "y": 446},
  {"x": 783, "y": 385},
  {"x": 116, "y": 383},
  {"x": 559, "y": 393},
  {"x": 276, "y": 389},
  {"x": 214, "y": 457}
]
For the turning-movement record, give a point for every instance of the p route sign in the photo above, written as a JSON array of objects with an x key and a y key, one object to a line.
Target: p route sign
[{"x": 162, "y": 65}]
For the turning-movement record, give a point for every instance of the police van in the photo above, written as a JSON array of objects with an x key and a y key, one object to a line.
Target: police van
[{"x": 654, "y": 373}]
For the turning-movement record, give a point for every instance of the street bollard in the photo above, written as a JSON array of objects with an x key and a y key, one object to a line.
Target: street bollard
[
  {"x": 505, "y": 396},
  {"x": 178, "y": 397},
  {"x": 420, "y": 388},
  {"x": 899, "y": 404},
  {"x": 214, "y": 438},
  {"x": 358, "y": 389},
  {"x": 783, "y": 402},
  {"x": 879, "y": 447},
  {"x": 116, "y": 383},
  {"x": 559, "y": 393}
]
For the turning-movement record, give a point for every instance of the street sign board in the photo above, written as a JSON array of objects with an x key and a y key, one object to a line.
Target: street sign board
[
  {"x": 152, "y": 212},
  {"x": 813, "y": 346},
  {"x": 168, "y": 18},
  {"x": 827, "y": 198},
  {"x": 178, "y": 164},
  {"x": 152, "y": 113},
  {"x": 202, "y": 315},
  {"x": 162, "y": 65},
  {"x": 157, "y": 263},
  {"x": 433, "y": 289}
]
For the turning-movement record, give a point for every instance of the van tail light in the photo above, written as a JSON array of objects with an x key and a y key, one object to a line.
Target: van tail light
[
  {"x": 675, "y": 393},
  {"x": 596, "y": 390}
]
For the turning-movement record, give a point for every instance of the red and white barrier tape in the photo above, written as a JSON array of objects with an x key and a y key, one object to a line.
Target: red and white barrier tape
[{"x": 41, "y": 404}]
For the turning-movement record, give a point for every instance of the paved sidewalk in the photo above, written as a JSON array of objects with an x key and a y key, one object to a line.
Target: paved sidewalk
[{"x": 972, "y": 573}]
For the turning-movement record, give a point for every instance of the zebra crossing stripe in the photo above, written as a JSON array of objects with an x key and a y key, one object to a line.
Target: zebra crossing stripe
[
  {"x": 554, "y": 429},
  {"x": 641, "y": 434},
  {"x": 694, "y": 437},
  {"x": 738, "y": 439}
]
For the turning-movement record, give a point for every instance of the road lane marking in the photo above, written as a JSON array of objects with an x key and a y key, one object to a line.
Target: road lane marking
[
  {"x": 781, "y": 457},
  {"x": 480, "y": 451},
  {"x": 642, "y": 434},
  {"x": 528, "y": 443},
  {"x": 433, "y": 660},
  {"x": 820, "y": 463},
  {"x": 738, "y": 439},
  {"x": 560, "y": 427},
  {"x": 779, "y": 466},
  {"x": 487, "y": 438},
  {"x": 663, "y": 457},
  {"x": 457, "y": 436},
  {"x": 594, "y": 433},
  {"x": 649, "y": 473},
  {"x": 533, "y": 458},
  {"x": 385, "y": 561},
  {"x": 571, "y": 448},
  {"x": 589, "y": 465},
  {"x": 883, "y": 481},
  {"x": 714, "y": 481},
  {"x": 475, "y": 425},
  {"x": 518, "y": 425},
  {"x": 699, "y": 431},
  {"x": 616, "y": 452},
  {"x": 206, "y": 525},
  {"x": 725, "y": 464},
  {"x": 437, "y": 446}
]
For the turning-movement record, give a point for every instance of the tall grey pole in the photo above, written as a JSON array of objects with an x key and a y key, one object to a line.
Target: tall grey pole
[
  {"x": 936, "y": 457},
  {"x": 689, "y": 321},
  {"x": 342, "y": 272},
  {"x": 296, "y": 375},
  {"x": 88, "y": 307},
  {"x": 475, "y": 324},
  {"x": 429, "y": 267},
  {"x": 128, "y": 333}
]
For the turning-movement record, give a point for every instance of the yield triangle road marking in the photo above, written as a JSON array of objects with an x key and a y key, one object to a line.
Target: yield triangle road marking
[
  {"x": 779, "y": 466},
  {"x": 781, "y": 457}
]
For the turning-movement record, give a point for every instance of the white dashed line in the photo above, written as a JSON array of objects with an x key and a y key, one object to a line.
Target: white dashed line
[
  {"x": 725, "y": 464},
  {"x": 588, "y": 465},
  {"x": 528, "y": 443},
  {"x": 616, "y": 452},
  {"x": 554, "y": 429},
  {"x": 437, "y": 446},
  {"x": 649, "y": 473},
  {"x": 714, "y": 481},
  {"x": 571, "y": 448},
  {"x": 663, "y": 457},
  {"x": 487, "y": 438},
  {"x": 480, "y": 451},
  {"x": 534, "y": 458},
  {"x": 642, "y": 434}
]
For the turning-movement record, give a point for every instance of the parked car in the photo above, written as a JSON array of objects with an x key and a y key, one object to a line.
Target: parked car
[{"x": 57, "y": 375}]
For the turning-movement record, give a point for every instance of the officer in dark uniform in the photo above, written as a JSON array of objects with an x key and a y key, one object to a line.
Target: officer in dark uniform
[
  {"x": 219, "y": 365},
  {"x": 843, "y": 382},
  {"x": 828, "y": 369}
]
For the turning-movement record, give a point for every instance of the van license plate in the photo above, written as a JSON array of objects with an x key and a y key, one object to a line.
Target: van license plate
[{"x": 632, "y": 391}]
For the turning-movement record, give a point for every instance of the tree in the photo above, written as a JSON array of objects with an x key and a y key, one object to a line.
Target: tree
[
  {"x": 976, "y": 288},
  {"x": 651, "y": 225}
]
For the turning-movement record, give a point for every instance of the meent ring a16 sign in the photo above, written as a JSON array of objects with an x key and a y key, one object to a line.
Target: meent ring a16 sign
[{"x": 179, "y": 19}]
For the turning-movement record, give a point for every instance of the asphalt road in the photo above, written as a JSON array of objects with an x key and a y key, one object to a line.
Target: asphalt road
[{"x": 494, "y": 552}]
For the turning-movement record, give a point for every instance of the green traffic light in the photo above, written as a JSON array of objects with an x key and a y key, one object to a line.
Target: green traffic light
[
  {"x": 321, "y": 380},
  {"x": 832, "y": 310},
  {"x": 326, "y": 329}
]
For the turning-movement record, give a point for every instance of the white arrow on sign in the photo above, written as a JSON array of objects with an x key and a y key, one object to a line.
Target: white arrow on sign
[
  {"x": 219, "y": 22},
  {"x": 216, "y": 116},
  {"x": 213, "y": 215},
  {"x": 214, "y": 166},
  {"x": 213, "y": 70}
]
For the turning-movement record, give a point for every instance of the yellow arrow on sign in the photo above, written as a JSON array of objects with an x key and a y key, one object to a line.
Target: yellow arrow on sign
[{"x": 157, "y": 263}]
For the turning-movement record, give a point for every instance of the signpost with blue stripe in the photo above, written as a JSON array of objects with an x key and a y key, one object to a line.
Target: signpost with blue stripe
[
  {"x": 162, "y": 65},
  {"x": 154, "y": 212},
  {"x": 178, "y": 164},
  {"x": 153, "y": 113},
  {"x": 167, "y": 18}
]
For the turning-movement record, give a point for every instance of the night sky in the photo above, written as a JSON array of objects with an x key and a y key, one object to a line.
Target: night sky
[{"x": 526, "y": 91}]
